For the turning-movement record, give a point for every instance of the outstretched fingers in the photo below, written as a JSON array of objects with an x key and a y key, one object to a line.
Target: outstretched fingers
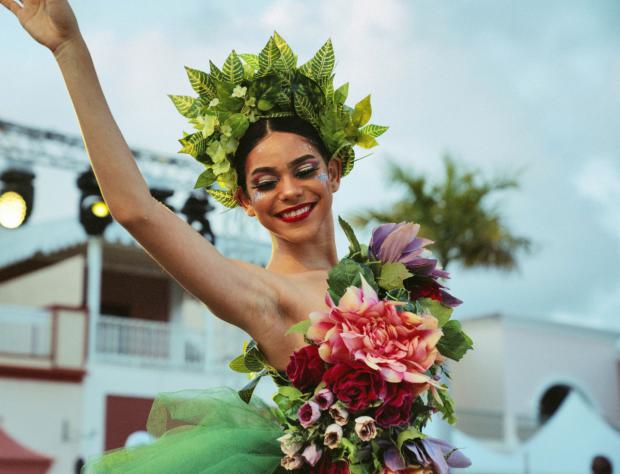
[{"x": 12, "y": 5}]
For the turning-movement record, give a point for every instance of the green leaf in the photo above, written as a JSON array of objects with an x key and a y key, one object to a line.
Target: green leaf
[
  {"x": 362, "y": 112},
  {"x": 287, "y": 56},
  {"x": 290, "y": 392},
  {"x": 246, "y": 392},
  {"x": 454, "y": 343},
  {"x": 374, "y": 130},
  {"x": 225, "y": 198},
  {"x": 393, "y": 275},
  {"x": 406, "y": 435},
  {"x": 186, "y": 105},
  {"x": 340, "y": 94},
  {"x": 206, "y": 179},
  {"x": 366, "y": 141},
  {"x": 440, "y": 311},
  {"x": 354, "y": 245},
  {"x": 238, "y": 123},
  {"x": 268, "y": 56},
  {"x": 305, "y": 109},
  {"x": 347, "y": 273},
  {"x": 238, "y": 365},
  {"x": 347, "y": 158},
  {"x": 201, "y": 83},
  {"x": 322, "y": 64},
  {"x": 250, "y": 59},
  {"x": 233, "y": 69},
  {"x": 300, "y": 327},
  {"x": 215, "y": 72}
]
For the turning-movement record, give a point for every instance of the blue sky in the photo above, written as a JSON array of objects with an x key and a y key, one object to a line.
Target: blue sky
[{"x": 501, "y": 85}]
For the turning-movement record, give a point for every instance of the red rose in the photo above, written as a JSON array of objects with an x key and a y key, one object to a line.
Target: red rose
[
  {"x": 305, "y": 368},
  {"x": 355, "y": 384},
  {"x": 396, "y": 409},
  {"x": 326, "y": 466}
]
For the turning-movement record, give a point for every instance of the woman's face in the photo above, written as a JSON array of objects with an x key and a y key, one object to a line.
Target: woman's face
[{"x": 289, "y": 186}]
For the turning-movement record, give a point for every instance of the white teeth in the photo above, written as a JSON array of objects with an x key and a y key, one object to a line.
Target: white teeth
[{"x": 297, "y": 212}]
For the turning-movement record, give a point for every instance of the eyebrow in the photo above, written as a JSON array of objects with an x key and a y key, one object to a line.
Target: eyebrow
[{"x": 292, "y": 164}]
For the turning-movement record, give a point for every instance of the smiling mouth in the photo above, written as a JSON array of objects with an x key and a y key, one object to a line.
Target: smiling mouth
[{"x": 298, "y": 213}]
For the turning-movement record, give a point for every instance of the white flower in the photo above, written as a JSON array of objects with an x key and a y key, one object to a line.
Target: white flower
[
  {"x": 214, "y": 102},
  {"x": 291, "y": 463},
  {"x": 239, "y": 91},
  {"x": 365, "y": 428},
  {"x": 333, "y": 435},
  {"x": 288, "y": 446},
  {"x": 339, "y": 414}
]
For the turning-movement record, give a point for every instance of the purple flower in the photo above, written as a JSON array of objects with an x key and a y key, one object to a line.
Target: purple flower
[
  {"x": 435, "y": 453},
  {"x": 391, "y": 243},
  {"x": 308, "y": 413}
]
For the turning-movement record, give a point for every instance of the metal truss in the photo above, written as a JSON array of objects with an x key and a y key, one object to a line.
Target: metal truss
[{"x": 26, "y": 147}]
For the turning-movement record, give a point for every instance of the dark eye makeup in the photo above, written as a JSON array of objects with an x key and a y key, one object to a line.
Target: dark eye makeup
[{"x": 307, "y": 170}]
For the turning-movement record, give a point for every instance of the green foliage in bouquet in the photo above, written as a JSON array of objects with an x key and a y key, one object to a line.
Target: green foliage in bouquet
[{"x": 251, "y": 87}]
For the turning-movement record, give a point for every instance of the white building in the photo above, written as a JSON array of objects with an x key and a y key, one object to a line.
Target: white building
[{"x": 69, "y": 396}]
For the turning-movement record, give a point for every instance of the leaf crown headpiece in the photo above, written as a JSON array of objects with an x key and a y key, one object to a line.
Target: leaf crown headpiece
[{"x": 251, "y": 87}]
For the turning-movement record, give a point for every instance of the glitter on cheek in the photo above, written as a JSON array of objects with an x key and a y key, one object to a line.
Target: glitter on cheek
[
  {"x": 322, "y": 177},
  {"x": 257, "y": 196}
]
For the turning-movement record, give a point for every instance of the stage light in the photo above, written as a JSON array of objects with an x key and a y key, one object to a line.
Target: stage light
[
  {"x": 94, "y": 213},
  {"x": 16, "y": 198},
  {"x": 195, "y": 209}
]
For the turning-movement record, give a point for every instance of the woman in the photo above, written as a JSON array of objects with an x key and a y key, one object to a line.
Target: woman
[
  {"x": 276, "y": 138},
  {"x": 262, "y": 301}
]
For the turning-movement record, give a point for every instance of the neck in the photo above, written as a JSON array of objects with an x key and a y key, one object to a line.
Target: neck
[{"x": 316, "y": 254}]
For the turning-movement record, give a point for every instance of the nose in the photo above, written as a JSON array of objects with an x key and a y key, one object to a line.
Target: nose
[{"x": 290, "y": 190}]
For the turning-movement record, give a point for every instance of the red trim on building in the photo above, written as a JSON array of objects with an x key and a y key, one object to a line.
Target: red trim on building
[{"x": 38, "y": 373}]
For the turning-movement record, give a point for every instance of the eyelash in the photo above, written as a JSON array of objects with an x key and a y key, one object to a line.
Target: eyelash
[{"x": 303, "y": 173}]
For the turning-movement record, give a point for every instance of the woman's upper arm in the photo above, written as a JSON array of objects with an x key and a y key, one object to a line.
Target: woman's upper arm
[{"x": 239, "y": 293}]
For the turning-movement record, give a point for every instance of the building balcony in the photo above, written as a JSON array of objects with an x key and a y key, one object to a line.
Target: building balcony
[{"x": 54, "y": 341}]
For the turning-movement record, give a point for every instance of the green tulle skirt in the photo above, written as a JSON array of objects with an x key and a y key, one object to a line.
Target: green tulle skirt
[{"x": 208, "y": 431}]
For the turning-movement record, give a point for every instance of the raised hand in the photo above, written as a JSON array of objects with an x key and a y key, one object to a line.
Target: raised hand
[{"x": 50, "y": 22}]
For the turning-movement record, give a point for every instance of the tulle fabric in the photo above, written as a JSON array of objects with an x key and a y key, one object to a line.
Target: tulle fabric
[{"x": 208, "y": 431}]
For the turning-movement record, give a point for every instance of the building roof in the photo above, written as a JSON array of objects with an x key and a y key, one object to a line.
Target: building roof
[
  {"x": 13, "y": 454},
  {"x": 56, "y": 236}
]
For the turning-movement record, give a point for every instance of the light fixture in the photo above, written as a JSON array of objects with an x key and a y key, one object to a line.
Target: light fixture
[
  {"x": 16, "y": 198},
  {"x": 94, "y": 213},
  {"x": 195, "y": 209}
]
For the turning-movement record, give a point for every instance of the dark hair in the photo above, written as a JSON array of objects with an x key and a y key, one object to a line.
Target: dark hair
[{"x": 261, "y": 128}]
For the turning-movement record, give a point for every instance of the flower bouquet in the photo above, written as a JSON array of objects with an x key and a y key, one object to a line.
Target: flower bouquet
[{"x": 356, "y": 399}]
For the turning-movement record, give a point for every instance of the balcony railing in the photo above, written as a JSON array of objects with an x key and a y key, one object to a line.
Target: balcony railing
[
  {"x": 145, "y": 343},
  {"x": 25, "y": 331}
]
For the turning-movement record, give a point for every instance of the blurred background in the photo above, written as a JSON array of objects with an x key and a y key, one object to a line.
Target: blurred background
[{"x": 503, "y": 144}]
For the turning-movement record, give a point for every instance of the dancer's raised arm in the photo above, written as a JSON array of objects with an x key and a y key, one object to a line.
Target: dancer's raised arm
[{"x": 239, "y": 293}]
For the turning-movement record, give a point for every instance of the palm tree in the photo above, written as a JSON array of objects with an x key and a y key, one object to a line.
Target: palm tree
[{"x": 453, "y": 214}]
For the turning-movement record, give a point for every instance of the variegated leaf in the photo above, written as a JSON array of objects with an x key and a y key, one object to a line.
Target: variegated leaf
[
  {"x": 305, "y": 110},
  {"x": 341, "y": 93},
  {"x": 347, "y": 158},
  {"x": 233, "y": 69},
  {"x": 201, "y": 82},
  {"x": 366, "y": 141},
  {"x": 268, "y": 56},
  {"x": 283, "y": 100},
  {"x": 374, "y": 130},
  {"x": 186, "y": 105},
  {"x": 223, "y": 197},
  {"x": 215, "y": 72},
  {"x": 288, "y": 58},
  {"x": 322, "y": 63}
]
